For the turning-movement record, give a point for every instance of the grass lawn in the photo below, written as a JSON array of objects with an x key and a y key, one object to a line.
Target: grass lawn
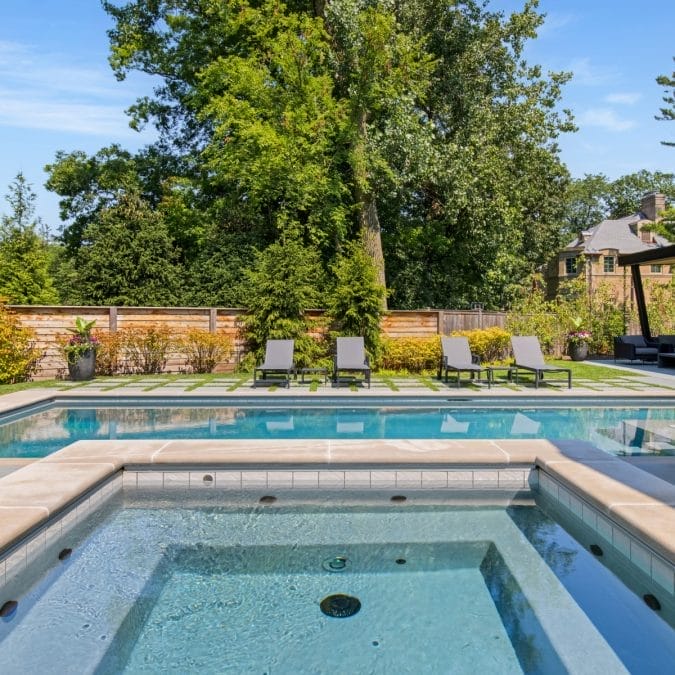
[
  {"x": 586, "y": 371},
  {"x": 232, "y": 381}
]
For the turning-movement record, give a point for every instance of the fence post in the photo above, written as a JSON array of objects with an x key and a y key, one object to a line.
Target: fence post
[
  {"x": 112, "y": 319},
  {"x": 213, "y": 318}
]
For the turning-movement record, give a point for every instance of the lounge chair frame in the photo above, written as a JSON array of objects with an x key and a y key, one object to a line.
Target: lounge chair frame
[
  {"x": 456, "y": 357},
  {"x": 278, "y": 361},
  {"x": 350, "y": 357},
  {"x": 528, "y": 356}
]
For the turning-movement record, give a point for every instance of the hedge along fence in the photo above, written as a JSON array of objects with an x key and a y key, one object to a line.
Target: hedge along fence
[{"x": 51, "y": 323}]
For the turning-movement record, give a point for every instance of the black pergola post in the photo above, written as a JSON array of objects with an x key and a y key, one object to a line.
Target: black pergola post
[
  {"x": 641, "y": 304},
  {"x": 660, "y": 255}
]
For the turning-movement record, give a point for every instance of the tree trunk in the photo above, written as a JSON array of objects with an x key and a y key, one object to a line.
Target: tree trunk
[
  {"x": 369, "y": 225},
  {"x": 369, "y": 221}
]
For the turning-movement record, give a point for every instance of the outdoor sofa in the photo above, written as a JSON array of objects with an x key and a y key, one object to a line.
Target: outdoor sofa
[{"x": 635, "y": 348}]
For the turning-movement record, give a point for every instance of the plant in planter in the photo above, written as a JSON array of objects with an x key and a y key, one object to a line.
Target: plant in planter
[
  {"x": 80, "y": 350},
  {"x": 577, "y": 341}
]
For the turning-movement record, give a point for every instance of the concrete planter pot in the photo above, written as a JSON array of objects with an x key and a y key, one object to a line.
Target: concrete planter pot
[
  {"x": 83, "y": 367},
  {"x": 578, "y": 351}
]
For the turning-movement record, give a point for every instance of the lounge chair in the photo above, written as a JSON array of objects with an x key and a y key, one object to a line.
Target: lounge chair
[
  {"x": 527, "y": 356},
  {"x": 278, "y": 361},
  {"x": 457, "y": 357},
  {"x": 351, "y": 357},
  {"x": 635, "y": 348}
]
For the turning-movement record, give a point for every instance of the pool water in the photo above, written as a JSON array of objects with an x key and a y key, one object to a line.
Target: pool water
[
  {"x": 625, "y": 430},
  {"x": 224, "y": 584}
]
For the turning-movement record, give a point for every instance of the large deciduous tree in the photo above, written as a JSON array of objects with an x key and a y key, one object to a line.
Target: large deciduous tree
[{"x": 416, "y": 129}]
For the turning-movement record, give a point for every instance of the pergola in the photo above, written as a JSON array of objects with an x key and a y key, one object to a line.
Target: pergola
[{"x": 664, "y": 255}]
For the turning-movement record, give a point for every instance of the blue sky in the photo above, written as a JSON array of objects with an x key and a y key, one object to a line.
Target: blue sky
[{"x": 57, "y": 91}]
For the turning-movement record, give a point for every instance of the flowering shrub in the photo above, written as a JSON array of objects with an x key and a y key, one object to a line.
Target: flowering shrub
[
  {"x": 579, "y": 337},
  {"x": 488, "y": 344},
  {"x": 18, "y": 354},
  {"x": 204, "y": 350},
  {"x": 109, "y": 353},
  {"x": 81, "y": 341},
  {"x": 410, "y": 354},
  {"x": 147, "y": 349}
]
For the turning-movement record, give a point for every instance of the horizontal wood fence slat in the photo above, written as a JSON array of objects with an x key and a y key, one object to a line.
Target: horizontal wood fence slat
[{"x": 51, "y": 323}]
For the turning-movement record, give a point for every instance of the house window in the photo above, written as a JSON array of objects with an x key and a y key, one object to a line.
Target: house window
[
  {"x": 656, "y": 269},
  {"x": 609, "y": 261},
  {"x": 570, "y": 265}
]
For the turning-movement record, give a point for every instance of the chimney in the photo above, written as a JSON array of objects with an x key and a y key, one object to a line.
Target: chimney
[{"x": 652, "y": 204}]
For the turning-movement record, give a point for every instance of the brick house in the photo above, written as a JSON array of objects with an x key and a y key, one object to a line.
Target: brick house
[{"x": 595, "y": 251}]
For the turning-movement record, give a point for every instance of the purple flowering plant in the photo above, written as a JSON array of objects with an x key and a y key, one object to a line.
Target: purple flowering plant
[
  {"x": 578, "y": 335},
  {"x": 81, "y": 341}
]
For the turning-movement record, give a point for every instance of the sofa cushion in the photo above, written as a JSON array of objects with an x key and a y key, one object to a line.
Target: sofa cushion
[{"x": 637, "y": 340}]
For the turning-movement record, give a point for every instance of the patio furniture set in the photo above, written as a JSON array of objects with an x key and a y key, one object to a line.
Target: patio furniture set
[
  {"x": 637, "y": 348},
  {"x": 351, "y": 359}
]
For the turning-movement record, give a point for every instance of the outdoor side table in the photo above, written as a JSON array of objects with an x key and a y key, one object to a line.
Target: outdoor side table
[
  {"x": 509, "y": 370},
  {"x": 313, "y": 371}
]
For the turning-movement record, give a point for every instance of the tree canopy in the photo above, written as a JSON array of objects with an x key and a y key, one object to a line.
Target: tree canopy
[
  {"x": 24, "y": 255},
  {"x": 415, "y": 129},
  {"x": 668, "y": 111}
]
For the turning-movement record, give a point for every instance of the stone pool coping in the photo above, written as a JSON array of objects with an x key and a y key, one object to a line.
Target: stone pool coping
[{"x": 639, "y": 502}]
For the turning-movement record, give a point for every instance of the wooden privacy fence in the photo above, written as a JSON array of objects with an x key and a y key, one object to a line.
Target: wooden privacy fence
[{"x": 52, "y": 322}]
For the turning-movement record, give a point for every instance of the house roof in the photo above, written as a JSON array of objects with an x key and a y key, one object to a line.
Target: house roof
[
  {"x": 615, "y": 234},
  {"x": 662, "y": 255}
]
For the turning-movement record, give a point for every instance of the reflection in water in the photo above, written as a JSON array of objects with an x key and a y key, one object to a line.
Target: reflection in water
[
  {"x": 451, "y": 426},
  {"x": 81, "y": 423},
  {"x": 615, "y": 611},
  {"x": 616, "y": 430}
]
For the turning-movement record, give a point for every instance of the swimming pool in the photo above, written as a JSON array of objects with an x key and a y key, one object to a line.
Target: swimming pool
[
  {"x": 627, "y": 427},
  {"x": 223, "y": 583}
]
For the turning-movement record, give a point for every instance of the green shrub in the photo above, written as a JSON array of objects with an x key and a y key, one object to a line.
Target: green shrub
[
  {"x": 488, "y": 344},
  {"x": 281, "y": 286},
  {"x": 147, "y": 349},
  {"x": 355, "y": 303},
  {"x": 534, "y": 315},
  {"x": 109, "y": 355},
  {"x": 19, "y": 356},
  {"x": 410, "y": 354},
  {"x": 204, "y": 350}
]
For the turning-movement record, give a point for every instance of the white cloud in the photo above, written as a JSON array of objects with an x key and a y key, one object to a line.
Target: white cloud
[
  {"x": 624, "y": 98},
  {"x": 49, "y": 114},
  {"x": 47, "y": 91},
  {"x": 605, "y": 118},
  {"x": 554, "y": 21},
  {"x": 588, "y": 74}
]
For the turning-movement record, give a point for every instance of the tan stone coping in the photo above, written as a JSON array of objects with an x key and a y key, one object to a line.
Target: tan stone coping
[{"x": 640, "y": 502}]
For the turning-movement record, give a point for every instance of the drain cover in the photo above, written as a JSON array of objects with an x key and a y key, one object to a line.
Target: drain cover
[
  {"x": 340, "y": 606},
  {"x": 336, "y": 564}
]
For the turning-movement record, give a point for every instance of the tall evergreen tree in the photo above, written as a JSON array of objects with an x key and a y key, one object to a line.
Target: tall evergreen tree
[
  {"x": 127, "y": 258},
  {"x": 24, "y": 256},
  {"x": 668, "y": 111}
]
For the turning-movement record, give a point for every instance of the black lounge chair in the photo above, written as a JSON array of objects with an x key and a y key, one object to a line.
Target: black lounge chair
[
  {"x": 351, "y": 357},
  {"x": 527, "y": 356},
  {"x": 458, "y": 358},
  {"x": 278, "y": 361},
  {"x": 635, "y": 348}
]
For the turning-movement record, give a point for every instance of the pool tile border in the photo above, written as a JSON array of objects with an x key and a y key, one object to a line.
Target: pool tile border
[
  {"x": 611, "y": 533},
  {"x": 622, "y": 503},
  {"x": 356, "y": 479},
  {"x": 51, "y": 531}
]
